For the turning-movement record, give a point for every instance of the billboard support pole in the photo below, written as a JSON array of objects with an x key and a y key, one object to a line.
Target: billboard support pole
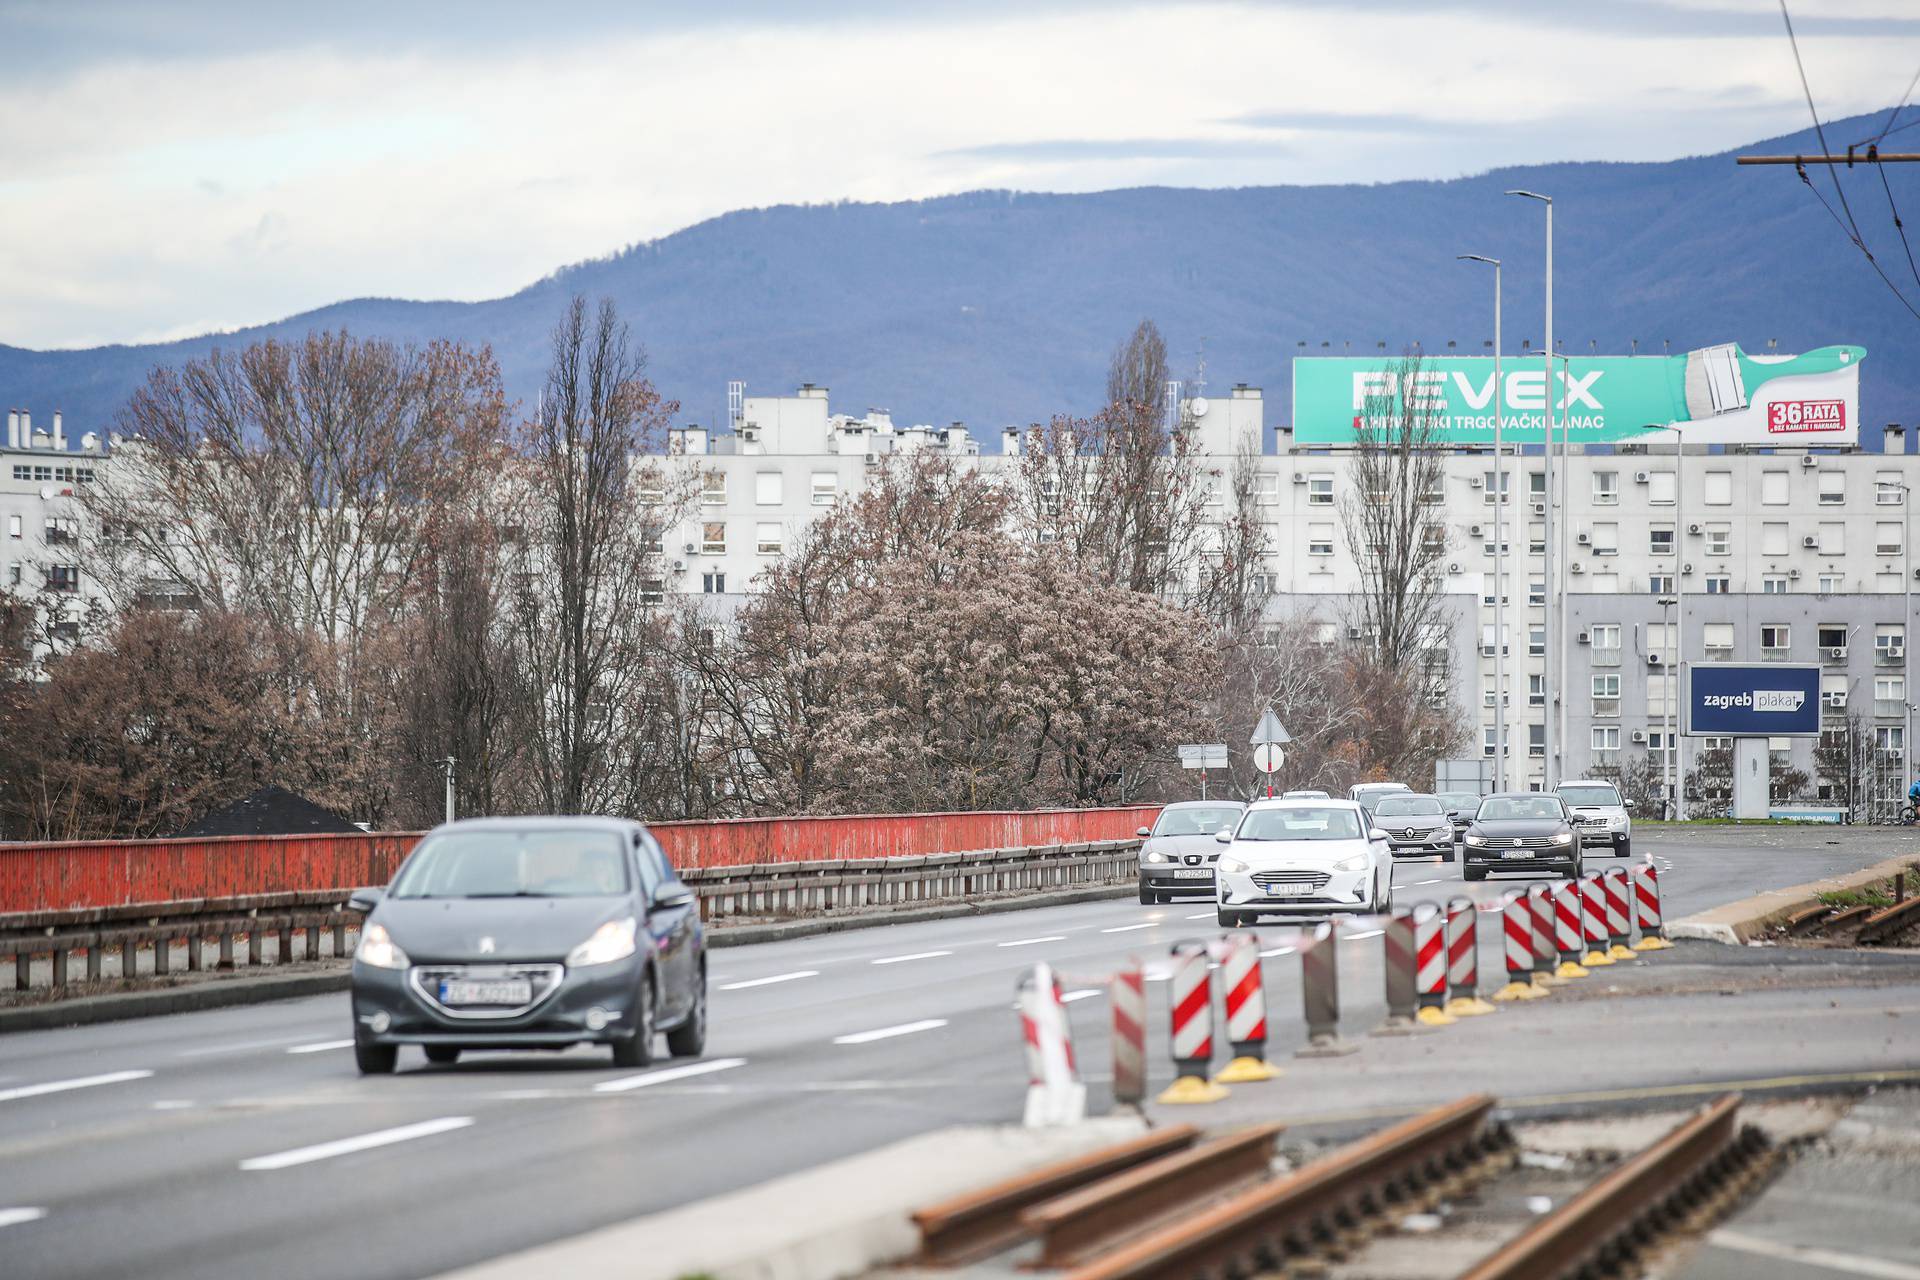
[
  {"x": 1679, "y": 789},
  {"x": 1499, "y": 544}
]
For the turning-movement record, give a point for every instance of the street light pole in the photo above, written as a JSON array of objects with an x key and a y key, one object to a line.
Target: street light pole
[
  {"x": 1499, "y": 548},
  {"x": 1554, "y": 693},
  {"x": 1666, "y": 757}
]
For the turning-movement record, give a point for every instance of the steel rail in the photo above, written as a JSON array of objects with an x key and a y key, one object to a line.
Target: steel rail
[
  {"x": 1889, "y": 921},
  {"x": 1328, "y": 1207}
]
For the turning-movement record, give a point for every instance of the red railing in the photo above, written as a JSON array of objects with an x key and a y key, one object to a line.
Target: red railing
[{"x": 74, "y": 875}]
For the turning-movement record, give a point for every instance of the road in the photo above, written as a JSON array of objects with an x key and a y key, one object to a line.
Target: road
[{"x": 241, "y": 1141}]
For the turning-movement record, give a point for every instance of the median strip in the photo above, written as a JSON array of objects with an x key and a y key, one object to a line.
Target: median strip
[
  {"x": 887, "y": 1033},
  {"x": 348, "y": 1146},
  {"x": 62, "y": 1086},
  {"x": 768, "y": 982},
  {"x": 668, "y": 1075}
]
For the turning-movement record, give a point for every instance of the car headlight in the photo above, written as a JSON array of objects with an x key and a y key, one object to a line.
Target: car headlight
[
  {"x": 1563, "y": 837},
  {"x": 614, "y": 940},
  {"x": 1155, "y": 858},
  {"x": 1472, "y": 839},
  {"x": 378, "y": 949},
  {"x": 1358, "y": 862},
  {"x": 1233, "y": 866}
]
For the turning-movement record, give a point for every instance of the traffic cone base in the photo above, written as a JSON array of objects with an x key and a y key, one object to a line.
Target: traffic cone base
[
  {"x": 1468, "y": 1007},
  {"x": 1514, "y": 991},
  {"x": 1547, "y": 978},
  {"x": 1621, "y": 951},
  {"x": 1570, "y": 969},
  {"x": 1247, "y": 1071},
  {"x": 1434, "y": 1016},
  {"x": 1191, "y": 1089},
  {"x": 1653, "y": 944},
  {"x": 1596, "y": 957}
]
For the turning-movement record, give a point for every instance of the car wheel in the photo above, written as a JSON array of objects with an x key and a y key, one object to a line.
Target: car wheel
[
  {"x": 636, "y": 1050},
  {"x": 689, "y": 1039},
  {"x": 374, "y": 1059},
  {"x": 1573, "y": 870},
  {"x": 1229, "y": 919},
  {"x": 1624, "y": 849},
  {"x": 1147, "y": 895},
  {"x": 443, "y": 1054},
  {"x": 1473, "y": 873}
]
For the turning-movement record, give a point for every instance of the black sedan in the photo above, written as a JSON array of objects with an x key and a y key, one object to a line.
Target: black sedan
[
  {"x": 530, "y": 933},
  {"x": 1525, "y": 831}
]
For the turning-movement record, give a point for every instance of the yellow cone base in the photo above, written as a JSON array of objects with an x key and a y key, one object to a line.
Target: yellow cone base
[
  {"x": 1191, "y": 1089},
  {"x": 1621, "y": 951},
  {"x": 1434, "y": 1016},
  {"x": 1653, "y": 944},
  {"x": 1595, "y": 958},
  {"x": 1468, "y": 1007},
  {"x": 1548, "y": 979},
  {"x": 1247, "y": 1071},
  {"x": 1517, "y": 991},
  {"x": 1569, "y": 969}
]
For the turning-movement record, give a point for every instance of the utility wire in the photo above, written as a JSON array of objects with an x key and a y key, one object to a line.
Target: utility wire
[
  {"x": 1894, "y": 114},
  {"x": 1893, "y": 208},
  {"x": 1871, "y": 260},
  {"x": 1819, "y": 131}
]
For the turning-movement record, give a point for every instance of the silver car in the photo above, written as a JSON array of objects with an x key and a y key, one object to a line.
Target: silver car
[
  {"x": 1417, "y": 826},
  {"x": 1179, "y": 851},
  {"x": 1600, "y": 816}
]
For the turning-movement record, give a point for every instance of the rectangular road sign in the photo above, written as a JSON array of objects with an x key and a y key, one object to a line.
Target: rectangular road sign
[
  {"x": 1752, "y": 700},
  {"x": 1203, "y": 755}
]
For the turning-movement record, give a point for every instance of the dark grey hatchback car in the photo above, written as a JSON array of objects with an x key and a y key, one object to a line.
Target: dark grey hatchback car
[{"x": 530, "y": 933}]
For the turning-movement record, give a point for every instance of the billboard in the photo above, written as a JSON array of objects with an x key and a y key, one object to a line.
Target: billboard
[
  {"x": 1716, "y": 395},
  {"x": 1752, "y": 700}
]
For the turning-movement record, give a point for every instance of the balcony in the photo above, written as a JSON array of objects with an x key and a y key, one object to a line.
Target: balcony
[
  {"x": 1606, "y": 657},
  {"x": 1833, "y": 655},
  {"x": 1889, "y": 708},
  {"x": 1890, "y": 655}
]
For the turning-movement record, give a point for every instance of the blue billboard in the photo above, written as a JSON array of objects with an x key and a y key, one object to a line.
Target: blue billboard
[{"x": 1753, "y": 700}]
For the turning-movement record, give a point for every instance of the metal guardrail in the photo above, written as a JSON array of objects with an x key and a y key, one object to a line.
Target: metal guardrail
[{"x": 213, "y": 929}]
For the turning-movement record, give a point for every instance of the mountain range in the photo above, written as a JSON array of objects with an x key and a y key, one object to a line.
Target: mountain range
[{"x": 1001, "y": 307}]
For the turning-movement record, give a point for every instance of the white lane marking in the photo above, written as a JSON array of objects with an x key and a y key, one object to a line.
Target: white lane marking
[
  {"x": 1204, "y": 915},
  {"x": 61, "y": 1086},
  {"x": 670, "y": 1073},
  {"x": 1852, "y": 1264},
  {"x": 918, "y": 955},
  {"x": 1368, "y": 933},
  {"x": 239, "y": 1046},
  {"x": 887, "y": 1033},
  {"x": 767, "y": 982},
  {"x": 14, "y": 1217},
  {"x": 1418, "y": 883},
  {"x": 321, "y": 1046},
  {"x": 1027, "y": 942},
  {"x": 1087, "y": 993},
  {"x": 1129, "y": 928},
  {"x": 1278, "y": 951},
  {"x": 347, "y": 1146},
  {"x": 173, "y": 1104}
]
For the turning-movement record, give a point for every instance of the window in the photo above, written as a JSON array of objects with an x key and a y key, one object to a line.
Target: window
[
  {"x": 766, "y": 489},
  {"x": 13, "y": 573},
  {"x": 1605, "y": 637},
  {"x": 1324, "y": 634},
  {"x": 1487, "y": 740},
  {"x": 1719, "y": 489},
  {"x": 1833, "y": 538},
  {"x": 1536, "y": 690},
  {"x": 1830, "y": 636},
  {"x": 1719, "y": 539},
  {"x": 1890, "y": 696},
  {"x": 652, "y": 590},
  {"x": 713, "y": 582},
  {"x": 1886, "y": 489},
  {"x": 1606, "y": 539},
  {"x": 713, "y": 538},
  {"x": 13, "y": 526},
  {"x": 1537, "y": 485},
  {"x": 1889, "y": 642},
  {"x": 1487, "y": 642},
  {"x": 1320, "y": 489},
  {"x": 1716, "y": 639},
  {"x": 1537, "y": 592},
  {"x": 1774, "y": 535},
  {"x": 1833, "y": 488},
  {"x": 1661, "y": 489},
  {"x": 1487, "y": 544},
  {"x": 1606, "y": 695},
  {"x": 1487, "y": 597},
  {"x": 1776, "y": 639},
  {"x": 61, "y": 529},
  {"x": 1660, "y": 584},
  {"x": 1718, "y": 584},
  {"x": 1488, "y": 694},
  {"x": 1433, "y": 538},
  {"x": 1660, "y": 641},
  {"x": 826, "y": 488},
  {"x": 1773, "y": 488},
  {"x": 1266, "y": 489},
  {"x": 1537, "y": 641},
  {"x": 1660, "y": 540},
  {"x": 1536, "y": 740},
  {"x": 1320, "y": 539},
  {"x": 1832, "y": 582},
  {"x": 63, "y": 577},
  {"x": 1606, "y": 744},
  {"x": 1606, "y": 488},
  {"x": 1775, "y": 584},
  {"x": 1888, "y": 538},
  {"x": 1658, "y": 688},
  {"x": 768, "y": 539},
  {"x": 1890, "y": 740},
  {"x": 1833, "y": 692}
]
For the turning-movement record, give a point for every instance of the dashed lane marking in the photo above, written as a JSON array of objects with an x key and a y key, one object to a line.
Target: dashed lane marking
[
  {"x": 348, "y": 1146},
  {"x": 668, "y": 1074},
  {"x": 887, "y": 1033},
  {"x": 321, "y": 1046},
  {"x": 1086, "y": 993},
  {"x": 62, "y": 1086},
  {"x": 1277, "y": 951},
  {"x": 14, "y": 1217},
  {"x": 768, "y": 982},
  {"x": 1129, "y": 928},
  {"x": 1851, "y": 1264},
  {"x": 1028, "y": 942},
  {"x": 1368, "y": 933},
  {"x": 917, "y": 955},
  {"x": 1204, "y": 915}
]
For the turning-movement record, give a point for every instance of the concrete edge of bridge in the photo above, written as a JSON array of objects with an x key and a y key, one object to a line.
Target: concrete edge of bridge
[
  {"x": 746, "y": 935},
  {"x": 1737, "y": 923}
]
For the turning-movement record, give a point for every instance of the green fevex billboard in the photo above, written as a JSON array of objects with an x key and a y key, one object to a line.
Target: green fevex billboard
[{"x": 1716, "y": 395}]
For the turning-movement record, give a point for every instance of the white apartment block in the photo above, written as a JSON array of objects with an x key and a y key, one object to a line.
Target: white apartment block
[{"x": 40, "y": 478}]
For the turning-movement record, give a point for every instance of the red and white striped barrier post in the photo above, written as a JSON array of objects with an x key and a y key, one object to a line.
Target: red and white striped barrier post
[
  {"x": 1567, "y": 910},
  {"x": 1191, "y": 1001},
  {"x": 1403, "y": 997},
  {"x": 1619, "y": 924},
  {"x": 1246, "y": 1011},
  {"x": 1463, "y": 959},
  {"x": 1320, "y": 991},
  {"x": 1540, "y": 907},
  {"x": 1646, "y": 896},
  {"x": 1593, "y": 919},
  {"x": 1516, "y": 927},
  {"x": 1430, "y": 965},
  {"x": 1055, "y": 1094},
  {"x": 1127, "y": 994}
]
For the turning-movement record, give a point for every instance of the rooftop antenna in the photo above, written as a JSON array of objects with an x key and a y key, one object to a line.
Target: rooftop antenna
[{"x": 1200, "y": 374}]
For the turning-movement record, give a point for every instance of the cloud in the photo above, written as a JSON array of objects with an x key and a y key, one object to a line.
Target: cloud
[{"x": 1075, "y": 150}]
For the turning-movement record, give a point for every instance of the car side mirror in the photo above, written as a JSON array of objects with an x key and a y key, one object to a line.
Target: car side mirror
[
  {"x": 1377, "y": 834},
  {"x": 1224, "y": 835},
  {"x": 672, "y": 894},
  {"x": 1143, "y": 832},
  {"x": 365, "y": 900}
]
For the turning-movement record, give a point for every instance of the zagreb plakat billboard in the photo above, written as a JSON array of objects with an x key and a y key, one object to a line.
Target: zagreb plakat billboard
[
  {"x": 1752, "y": 700},
  {"x": 1716, "y": 395}
]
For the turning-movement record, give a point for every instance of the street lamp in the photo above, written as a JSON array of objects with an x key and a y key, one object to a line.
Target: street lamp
[
  {"x": 1499, "y": 548},
  {"x": 1554, "y": 693},
  {"x": 1906, "y": 637},
  {"x": 1667, "y": 753}
]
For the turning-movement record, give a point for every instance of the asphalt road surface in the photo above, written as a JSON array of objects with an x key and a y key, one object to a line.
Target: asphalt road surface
[{"x": 242, "y": 1141}]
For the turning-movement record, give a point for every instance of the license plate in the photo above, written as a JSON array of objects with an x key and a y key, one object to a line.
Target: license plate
[
  {"x": 1200, "y": 873},
  {"x": 503, "y": 991},
  {"x": 1290, "y": 891},
  {"x": 1517, "y": 853},
  {"x": 1593, "y": 826}
]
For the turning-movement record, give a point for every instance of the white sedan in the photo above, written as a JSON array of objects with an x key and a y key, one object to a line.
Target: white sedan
[{"x": 1302, "y": 858}]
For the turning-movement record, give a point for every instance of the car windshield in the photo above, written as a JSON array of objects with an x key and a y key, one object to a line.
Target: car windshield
[
  {"x": 1459, "y": 799},
  {"x": 1303, "y": 822},
  {"x": 1194, "y": 822},
  {"x": 1408, "y": 807},
  {"x": 515, "y": 864},
  {"x": 1598, "y": 797},
  {"x": 1505, "y": 808},
  {"x": 1370, "y": 800}
]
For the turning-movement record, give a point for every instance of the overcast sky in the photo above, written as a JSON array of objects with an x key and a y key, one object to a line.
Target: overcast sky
[{"x": 171, "y": 168}]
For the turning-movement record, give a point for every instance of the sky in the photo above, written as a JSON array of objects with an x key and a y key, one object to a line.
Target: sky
[{"x": 170, "y": 169}]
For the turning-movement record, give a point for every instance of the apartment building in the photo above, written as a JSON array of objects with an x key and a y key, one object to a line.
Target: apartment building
[{"x": 41, "y": 476}]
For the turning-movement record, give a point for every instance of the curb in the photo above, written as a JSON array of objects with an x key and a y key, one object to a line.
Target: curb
[
  {"x": 1738, "y": 923},
  {"x": 226, "y": 993}
]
